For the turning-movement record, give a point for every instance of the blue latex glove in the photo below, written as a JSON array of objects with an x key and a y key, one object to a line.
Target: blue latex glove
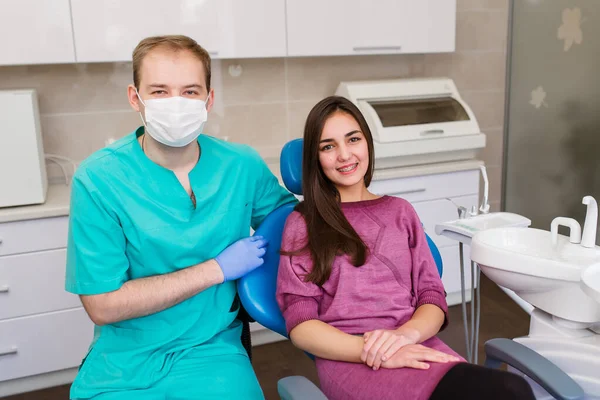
[{"x": 241, "y": 257}]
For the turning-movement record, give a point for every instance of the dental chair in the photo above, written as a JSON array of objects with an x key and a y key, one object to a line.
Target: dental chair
[{"x": 257, "y": 289}]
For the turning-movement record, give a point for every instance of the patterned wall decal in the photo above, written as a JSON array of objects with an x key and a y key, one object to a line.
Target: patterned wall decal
[
  {"x": 538, "y": 97},
  {"x": 570, "y": 30}
]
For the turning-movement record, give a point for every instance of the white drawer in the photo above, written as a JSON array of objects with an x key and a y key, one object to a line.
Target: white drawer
[
  {"x": 451, "y": 273},
  {"x": 435, "y": 212},
  {"x": 44, "y": 343},
  {"x": 430, "y": 187},
  {"x": 33, "y": 235},
  {"x": 34, "y": 283}
]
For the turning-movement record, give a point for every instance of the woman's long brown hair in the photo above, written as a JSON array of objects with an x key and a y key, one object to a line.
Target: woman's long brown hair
[{"x": 329, "y": 232}]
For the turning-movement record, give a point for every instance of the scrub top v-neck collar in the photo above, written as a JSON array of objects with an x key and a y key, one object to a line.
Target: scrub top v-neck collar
[{"x": 175, "y": 191}]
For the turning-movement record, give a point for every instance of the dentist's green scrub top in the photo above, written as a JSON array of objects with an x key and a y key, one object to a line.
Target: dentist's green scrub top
[{"x": 131, "y": 218}]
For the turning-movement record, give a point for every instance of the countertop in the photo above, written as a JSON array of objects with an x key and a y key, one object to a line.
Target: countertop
[
  {"x": 56, "y": 205},
  {"x": 426, "y": 169},
  {"x": 57, "y": 202}
]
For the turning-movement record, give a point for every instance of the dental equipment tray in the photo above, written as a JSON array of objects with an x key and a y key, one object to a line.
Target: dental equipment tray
[{"x": 464, "y": 229}]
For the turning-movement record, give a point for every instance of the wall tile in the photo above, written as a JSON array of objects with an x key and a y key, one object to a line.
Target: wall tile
[
  {"x": 260, "y": 81},
  {"x": 469, "y": 70},
  {"x": 78, "y": 136},
  {"x": 256, "y": 125},
  {"x": 492, "y": 153},
  {"x": 73, "y": 88},
  {"x": 488, "y": 107},
  {"x": 313, "y": 78},
  {"x": 495, "y": 206},
  {"x": 298, "y": 111},
  {"x": 481, "y": 30}
]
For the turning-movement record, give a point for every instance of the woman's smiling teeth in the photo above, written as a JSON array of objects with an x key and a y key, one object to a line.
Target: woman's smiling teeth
[{"x": 348, "y": 168}]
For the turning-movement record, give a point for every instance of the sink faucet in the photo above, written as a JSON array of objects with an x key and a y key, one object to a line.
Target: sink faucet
[
  {"x": 575, "y": 229},
  {"x": 588, "y": 238}
]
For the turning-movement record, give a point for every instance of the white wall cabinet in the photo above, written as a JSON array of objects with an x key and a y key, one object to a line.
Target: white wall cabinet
[
  {"x": 43, "y": 328},
  {"x": 345, "y": 27},
  {"x": 108, "y": 31},
  {"x": 68, "y": 31},
  {"x": 36, "y": 32}
]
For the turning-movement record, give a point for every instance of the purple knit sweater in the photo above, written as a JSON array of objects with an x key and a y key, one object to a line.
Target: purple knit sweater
[{"x": 399, "y": 276}]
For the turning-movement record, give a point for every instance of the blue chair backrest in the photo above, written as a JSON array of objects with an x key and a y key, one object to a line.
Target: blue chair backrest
[{"x": 257, "y": 289}]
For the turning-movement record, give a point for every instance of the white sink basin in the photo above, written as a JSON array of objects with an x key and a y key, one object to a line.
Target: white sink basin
[
  {"x": 590, "y": 282},
  {"x": 545, "y": 275}
]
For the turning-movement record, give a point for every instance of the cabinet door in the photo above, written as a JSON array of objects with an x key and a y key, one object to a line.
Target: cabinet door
[
  {"x": 406, "y": 26},
  {"x": 36, "y": 32},
  {"x": 318, "y": 28},
  {"x": 338, "y": 27},
  {"x": 429, "y": 26},
  {"x": 252, "y": 29},
  {"x": 43, "y": 343},
  {"x": 34, "y": 283},
  {"x": 381, "y": 26},
  {"x": 110, "y": 30}
]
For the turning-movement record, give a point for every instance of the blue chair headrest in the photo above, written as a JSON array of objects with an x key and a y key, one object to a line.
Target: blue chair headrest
[{"x": 290, "y": 165}]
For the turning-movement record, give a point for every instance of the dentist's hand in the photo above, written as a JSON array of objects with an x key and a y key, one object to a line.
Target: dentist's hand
[{"x": 242, "y": 257}]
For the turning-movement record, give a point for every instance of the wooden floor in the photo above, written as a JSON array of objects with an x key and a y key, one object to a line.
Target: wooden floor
[{"x": 500, "y": 317}]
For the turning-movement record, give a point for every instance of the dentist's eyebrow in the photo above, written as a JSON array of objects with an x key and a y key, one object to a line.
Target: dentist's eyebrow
[
  {"x": 346, "y": 135},
  {"x": 163, "y": 86}
]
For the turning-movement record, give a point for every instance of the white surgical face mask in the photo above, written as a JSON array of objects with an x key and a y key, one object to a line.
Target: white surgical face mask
[{"x": 174, "y": 121}]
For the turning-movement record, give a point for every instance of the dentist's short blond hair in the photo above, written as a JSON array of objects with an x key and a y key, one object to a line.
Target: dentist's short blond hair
[{"x": 172, "y": 42}]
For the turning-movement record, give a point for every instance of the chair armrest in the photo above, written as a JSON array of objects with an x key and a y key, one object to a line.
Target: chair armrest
[
  {"x": 535, "y": 366},
  {"x": 298, "y": 388}
]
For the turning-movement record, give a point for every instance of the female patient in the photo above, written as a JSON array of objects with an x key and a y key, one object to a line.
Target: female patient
[{"x": 357, "y": 283}]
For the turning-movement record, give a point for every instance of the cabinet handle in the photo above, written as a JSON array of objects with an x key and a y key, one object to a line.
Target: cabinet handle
[
  {"x": 213, "y": 53},
  {"x": 0, "y": 240},
  {"x": 4, "y": 289},
  {"x": 372, "y": 48},
  {"x": 9, "y": 351},
  {"x": 433, "y": 132},
  {"x": 409, "y": 191}
]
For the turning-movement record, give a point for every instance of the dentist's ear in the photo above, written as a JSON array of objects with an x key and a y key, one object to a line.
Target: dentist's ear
[
  {"x": 134, "y": 101},
  {"x": 210, "y": 100}
]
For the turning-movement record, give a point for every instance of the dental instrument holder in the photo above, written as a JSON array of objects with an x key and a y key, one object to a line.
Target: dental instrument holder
[
  {"x": 462, "y": 230},
  {"x": 588, "y": 237}
]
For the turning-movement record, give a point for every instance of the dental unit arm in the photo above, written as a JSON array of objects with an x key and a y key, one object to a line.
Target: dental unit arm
[
  {"x": 469, "y": 223},
  {"x": 462, "y": 230},
  {"x": 485, "y": 206}
]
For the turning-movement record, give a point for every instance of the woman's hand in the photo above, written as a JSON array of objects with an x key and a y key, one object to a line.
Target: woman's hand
[
  {"x": 381, "y": 345},
  {"x": 417, "y": 356}
]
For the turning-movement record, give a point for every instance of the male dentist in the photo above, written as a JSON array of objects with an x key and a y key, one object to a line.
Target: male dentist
[{"x": 158, "y": 234}]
